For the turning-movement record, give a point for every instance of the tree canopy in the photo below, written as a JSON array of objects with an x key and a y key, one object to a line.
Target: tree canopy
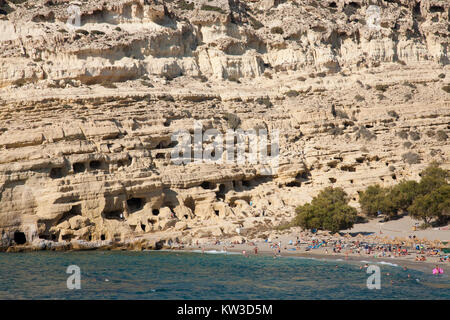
[
  {"x": 329, "y": 210},
  {"x": 425, "y": 200}
]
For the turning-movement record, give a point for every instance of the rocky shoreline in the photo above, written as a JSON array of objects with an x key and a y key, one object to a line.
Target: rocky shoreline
[{"x": 80, "y": 245}]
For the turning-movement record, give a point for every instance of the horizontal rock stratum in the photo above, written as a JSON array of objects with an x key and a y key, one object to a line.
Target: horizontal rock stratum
[{"x": 87, "y": 111}]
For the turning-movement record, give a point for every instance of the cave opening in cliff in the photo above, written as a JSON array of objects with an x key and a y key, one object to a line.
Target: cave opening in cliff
[
  {"x": 416, "y": 9},
  {"x": 113, "y": 215},
  {"x": 221, "y": 193},
  {"x": 348, "y": 168},
  {"x": 435, "y": 9},
  {"x": 246, "y": 183},
  {"x": 332, "y": 5},
  {"x": 102, "y": 237},
  {"x": 155, "y": 212},
  {"x": 143, "y": 227},
  {"x": 79, "y": 167},
  {"x": 75, "y": 210},
  {"x": 67, "y": 237},
  {"x": 19, "y": 237},
  {"x": 56, "y": 173},
  {"x": 160, "y": 155},
  {"x": 293, "y": 184},
  {"x": 207, "y": 185},
  {"x": 190, "y": 203},
  {"x": 95, "y": 165},
  {"x": 160, "y": 145},
  {"x": 166, "y": 144},
  {"x": 135, "y": 204}
]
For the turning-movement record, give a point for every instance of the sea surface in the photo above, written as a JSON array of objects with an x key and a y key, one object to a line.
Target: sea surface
[{"x": 185, "y": 275}]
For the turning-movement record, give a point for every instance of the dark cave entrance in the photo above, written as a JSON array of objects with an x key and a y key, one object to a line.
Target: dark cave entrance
[
  {"x": 135, "y": 204},
  {"x": 19, "y": 237}
]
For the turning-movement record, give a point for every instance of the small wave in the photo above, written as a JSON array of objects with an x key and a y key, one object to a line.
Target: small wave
[
  {"x": 215, "y": 252},
  {"x": 388, "y": 263}
]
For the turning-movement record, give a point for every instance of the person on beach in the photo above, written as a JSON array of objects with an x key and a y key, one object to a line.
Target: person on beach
[{"x": 256, "y": 250}]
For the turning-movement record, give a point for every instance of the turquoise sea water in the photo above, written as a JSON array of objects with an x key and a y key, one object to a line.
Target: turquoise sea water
[{"x": 168, "y": 275}]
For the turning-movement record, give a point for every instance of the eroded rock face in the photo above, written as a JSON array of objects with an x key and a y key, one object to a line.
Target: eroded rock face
[{"x": 87, "y": 113}]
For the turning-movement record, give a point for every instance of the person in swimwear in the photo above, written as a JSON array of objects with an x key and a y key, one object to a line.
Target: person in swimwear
[{"x": 438, "y": 270}]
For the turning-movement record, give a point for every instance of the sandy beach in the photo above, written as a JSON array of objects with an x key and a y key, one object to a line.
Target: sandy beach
[{"x": 396, "y": 235}]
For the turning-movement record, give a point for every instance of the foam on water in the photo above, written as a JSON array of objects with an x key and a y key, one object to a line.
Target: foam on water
[
  {"x": 216, "y": 252},
  {"x": 388, "y": 263}
]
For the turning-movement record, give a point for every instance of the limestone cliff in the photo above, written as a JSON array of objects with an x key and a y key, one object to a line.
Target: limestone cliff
[{"x": 87, "y": 111}]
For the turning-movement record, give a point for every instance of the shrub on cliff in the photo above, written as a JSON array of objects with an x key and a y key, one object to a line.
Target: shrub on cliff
[
  {"x": 329, "y": 210},
  {"x": 411, "y": 158},
  {"x": 276, "y": 30},
  {"x": 441, "y": 136},
  {"x": 233, "y": 120},
  {"x": 183, "y": 5},
  {"x": 212, "y": 8},
  {"x": 363, "y": 132}
]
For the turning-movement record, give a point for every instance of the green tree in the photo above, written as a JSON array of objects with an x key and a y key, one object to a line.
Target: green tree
[
  {"x": 329, "y": 210},
  {"x": 376, "y": 198},
  {"x": 432, "y": 178},
  {"x": 426, "y": 200},
  {"x": 403, "y": 194},
  {"x": 435, "y": 204}
]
